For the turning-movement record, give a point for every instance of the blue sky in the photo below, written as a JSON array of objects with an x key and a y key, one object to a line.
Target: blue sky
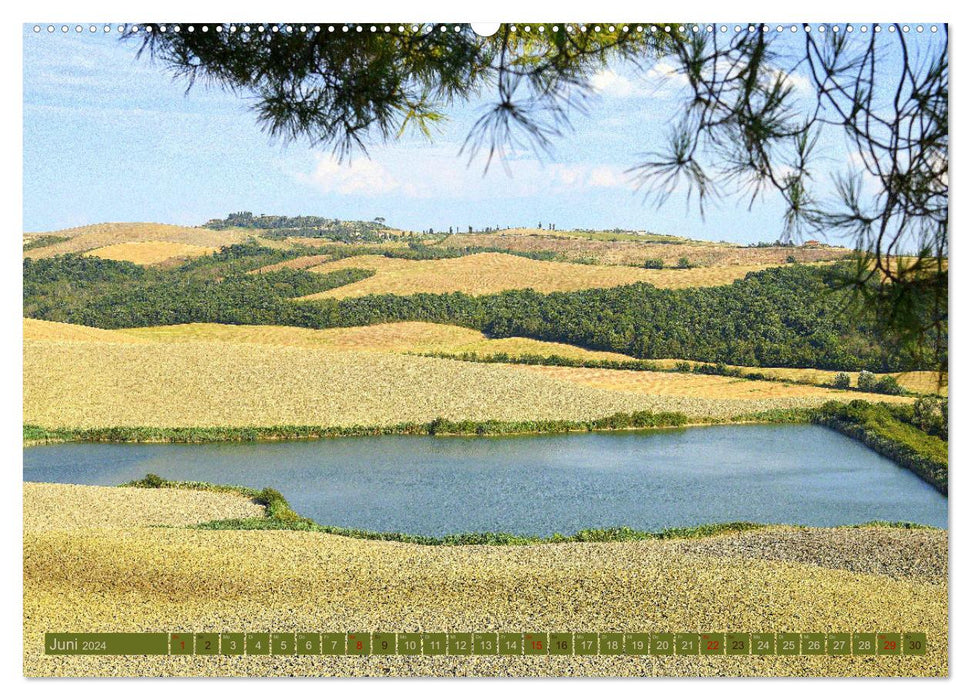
[{"x": 109, "y": 137}]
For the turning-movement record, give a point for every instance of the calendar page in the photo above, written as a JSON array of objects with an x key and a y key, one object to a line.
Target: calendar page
[{"x": 436, "y": 349}]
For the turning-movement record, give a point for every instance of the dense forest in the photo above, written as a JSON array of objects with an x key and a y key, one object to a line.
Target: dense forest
[
  {"x": 792, "y": 316},
  {"x": 274, "y": 226},
  {"x": 109, "y": 294}
]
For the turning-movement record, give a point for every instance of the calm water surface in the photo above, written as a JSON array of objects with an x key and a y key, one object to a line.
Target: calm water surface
[{"x": 649, "y": 480}]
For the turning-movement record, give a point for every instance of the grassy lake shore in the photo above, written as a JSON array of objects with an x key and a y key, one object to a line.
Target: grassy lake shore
[{"x": 887, "y": 429}]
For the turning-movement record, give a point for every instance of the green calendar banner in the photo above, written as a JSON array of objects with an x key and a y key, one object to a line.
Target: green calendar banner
[
  {"x": 105, "y": 643},
  {"x": 487, "y": 643}
]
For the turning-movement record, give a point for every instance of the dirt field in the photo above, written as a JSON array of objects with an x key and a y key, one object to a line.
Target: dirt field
[
  {"x": 416, "y": 337},
  {"x": 73, "y": 384},
  {"x": 700, "y": 385},
  {"x": 289, "y": 355},
  {"x": 487, "y": 273},
  {"x": 151, "y": 252},
  {"x": 123, "y": 576},
  {"x": 35, "y": 329},
  {"x": 89, "y": 238},
  {"x": 404, "y": 337},
  {"x": 633, "y": 252}
]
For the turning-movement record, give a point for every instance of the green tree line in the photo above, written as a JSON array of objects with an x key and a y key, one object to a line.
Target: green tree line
[{"x": 793, "y": 316}]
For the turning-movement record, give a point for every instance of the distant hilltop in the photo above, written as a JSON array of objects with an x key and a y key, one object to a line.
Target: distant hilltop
[
  {"x": 274, "y": 226},
  {"x": 166, "y": 244}
]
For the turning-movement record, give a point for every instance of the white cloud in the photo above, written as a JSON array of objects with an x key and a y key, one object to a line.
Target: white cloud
[
  {"x": 664, "y": 78},
  {"x": 606, "y": 176},
  {"x": 363, "y": 177},
  {"x": 798, "y": 82},
  {"x": 436, "y": 173},
  {"x": 607, "y": 82}
]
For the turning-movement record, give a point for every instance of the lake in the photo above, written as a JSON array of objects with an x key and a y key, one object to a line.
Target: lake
[{"x": 648, "y": 480}]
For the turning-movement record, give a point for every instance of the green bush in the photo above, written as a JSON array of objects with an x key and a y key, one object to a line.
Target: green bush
[
  {"x": 683, "y": 263},
  {"x": 867, "y": 381},
  {"x": 790, "y": 259},
  {"x": 888, "y": 385},
  {"x": 930, "y": 415},
  {"x": 654, "y": 263},
  {"x": 841, "y": 380},
  {"x": 152, "y": 481}
]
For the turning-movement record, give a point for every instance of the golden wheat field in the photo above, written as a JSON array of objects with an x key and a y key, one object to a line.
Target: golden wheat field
[
  {"x": 301, "y": 263},
  {"x": 487, "y": 273},
  {"x": 634, "y": 252},
  {"x": 151, "y": 252},
  {"x": 404, "y": 337},
  {"x": 71, "y": 383},
  {"x": 421, "y": 337},
  {"x": 87, "y": 571},
  {"x": 700, "y": 385},
  {"x": 35, "y": 329},
  {"x": 922, "y": 382},
  {"x": 86, "y": 238}
]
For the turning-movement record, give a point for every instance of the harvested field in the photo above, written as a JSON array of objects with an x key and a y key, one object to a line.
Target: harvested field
[
  {"x": 36, "y": 329},
  {"x": 296, "y": 263},
  {"x": 922, "y": 382},
  {"x": 629, "y": 251},
  {"x": 395, "y": 243},
  {"x": 781, "y": 579},
  {"x": 88, "y": 238},
  {"x": 421, "y": 337},
  {"x": 69, "y": 507},
  {"x": 405, "y": 337},
  {"x": 696, "y": 385},
  {"x": 98, "y": 384},
  {"x": 487, "y": 273},
  {"x": 151, "y": 252}
]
